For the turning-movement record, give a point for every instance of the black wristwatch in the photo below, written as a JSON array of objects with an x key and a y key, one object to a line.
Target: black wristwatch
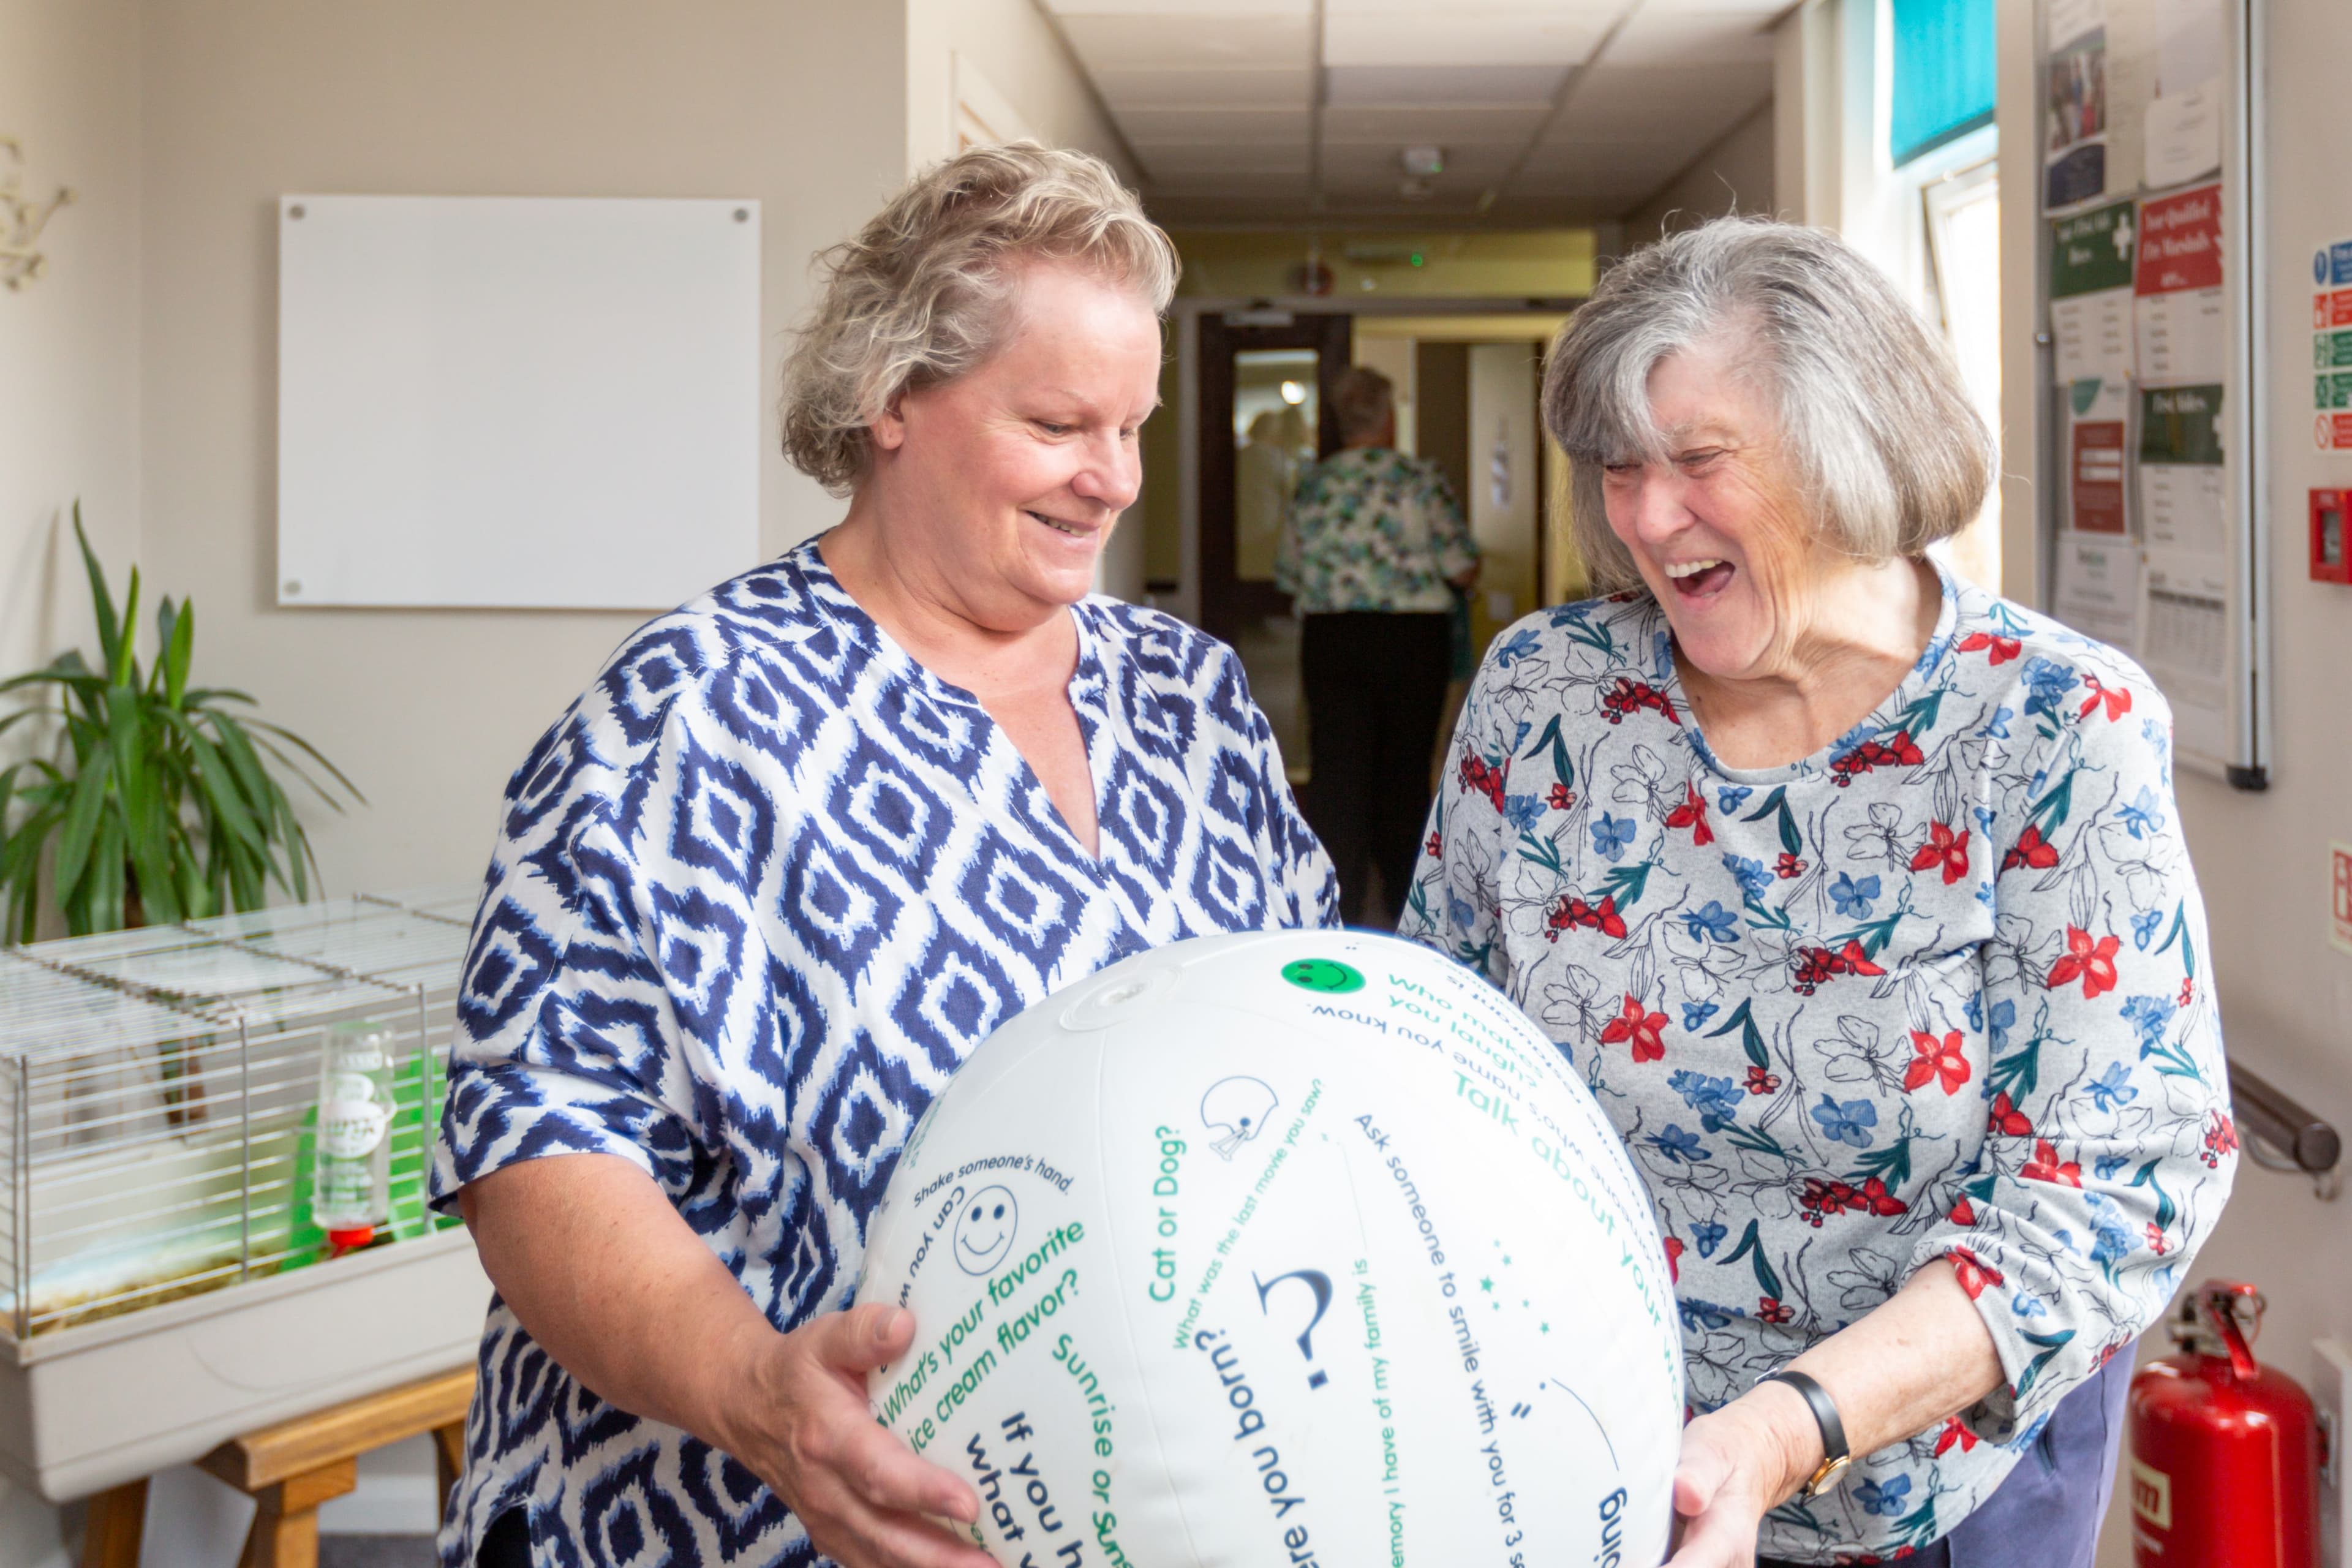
[{"x": 1834, "y": 1457}]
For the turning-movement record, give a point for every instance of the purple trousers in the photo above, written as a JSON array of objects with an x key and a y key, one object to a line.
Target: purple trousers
[{"x": 2047, "y": 1512}]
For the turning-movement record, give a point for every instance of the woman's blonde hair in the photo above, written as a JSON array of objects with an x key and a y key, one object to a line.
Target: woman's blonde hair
[
  {"x": 1882, "y": 439},
  {"x": 920, "y": 296}
]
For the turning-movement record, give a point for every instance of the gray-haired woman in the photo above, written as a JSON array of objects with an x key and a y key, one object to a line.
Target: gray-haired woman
[
  {"x": 802, "y": 844},
  {"x": 1859, "y": 896}
]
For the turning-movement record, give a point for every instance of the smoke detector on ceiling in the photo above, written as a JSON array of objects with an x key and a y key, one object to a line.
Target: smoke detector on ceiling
[{"x": 1424, "y": 163}]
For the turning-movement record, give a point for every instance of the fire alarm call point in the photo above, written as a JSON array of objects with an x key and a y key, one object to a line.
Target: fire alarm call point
[{"x": 2331, "y": 553}]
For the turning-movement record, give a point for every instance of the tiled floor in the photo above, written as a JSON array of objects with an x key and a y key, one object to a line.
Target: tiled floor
[
  {"x": 375, "y": 1552},
  {"x": 1269, "y": 651}
]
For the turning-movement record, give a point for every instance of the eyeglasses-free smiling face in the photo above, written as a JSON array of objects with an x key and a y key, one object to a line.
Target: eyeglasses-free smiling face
[
  {"x": 1007, "y": 481},
  {"x": 1716, "y": 525}
]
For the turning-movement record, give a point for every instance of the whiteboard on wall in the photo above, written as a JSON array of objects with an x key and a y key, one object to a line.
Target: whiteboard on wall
[{"x": 523, "y": 402}]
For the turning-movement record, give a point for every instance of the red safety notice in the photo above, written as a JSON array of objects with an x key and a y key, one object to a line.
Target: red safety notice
[
  {"x": 2339, "y": 903},
  {"x": 2180, "y": 242},
  {"x": 2098, "y": 479}
]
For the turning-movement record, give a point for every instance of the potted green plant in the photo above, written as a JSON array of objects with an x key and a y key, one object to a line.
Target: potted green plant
[{"x": 158, "y": 803}]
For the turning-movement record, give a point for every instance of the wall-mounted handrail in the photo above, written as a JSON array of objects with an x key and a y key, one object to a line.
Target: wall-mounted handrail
[{"x": 2281, "y": 1135}]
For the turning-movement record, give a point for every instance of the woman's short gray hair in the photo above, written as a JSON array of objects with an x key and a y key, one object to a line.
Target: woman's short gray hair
[
  {"x": 919, "y": 297},
  {"x": 1874, "y": 420},
  {"x": 1361, "y": 401}
]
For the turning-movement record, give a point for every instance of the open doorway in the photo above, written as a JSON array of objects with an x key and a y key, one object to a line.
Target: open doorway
[
  {"x": 1467, "y": 388},
  {"x": 1265, "y": 414}
]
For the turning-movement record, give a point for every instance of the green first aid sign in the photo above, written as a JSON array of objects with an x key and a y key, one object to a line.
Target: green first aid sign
[{"x": 2091, "y": 251}]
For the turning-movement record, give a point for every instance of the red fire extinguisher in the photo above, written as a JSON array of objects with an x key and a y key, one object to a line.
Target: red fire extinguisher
[{"x": 2224, "y": 1450}]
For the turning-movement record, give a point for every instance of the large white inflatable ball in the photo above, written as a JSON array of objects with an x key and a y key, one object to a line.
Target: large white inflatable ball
[{"x": 1283, "y": 1249}]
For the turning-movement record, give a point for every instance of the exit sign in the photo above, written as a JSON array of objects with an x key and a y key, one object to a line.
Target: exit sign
[{"x": 2339, "y": 900}]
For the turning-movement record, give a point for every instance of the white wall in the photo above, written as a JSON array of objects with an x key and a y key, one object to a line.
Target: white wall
[
  {"x": 1017, "y": 55},
  {"x": 69, "y": 342},
  {"x": 1503, "y": 403},
  {"x": 2286, "y": 996},
  {"x": 68, "y": 389},
  {"x": 1736, "y": 174},
  {"x": 1028, "y": 78},
  {"x": 798, "y": 104},
  {"x": 1807, "y": 121},
  {"x": 140, "y": 374}
]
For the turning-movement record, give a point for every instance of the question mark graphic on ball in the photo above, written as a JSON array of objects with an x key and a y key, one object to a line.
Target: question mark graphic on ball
[{"x": 1320, "y": 1283}]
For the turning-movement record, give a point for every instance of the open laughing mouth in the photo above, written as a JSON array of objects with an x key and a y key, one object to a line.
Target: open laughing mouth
[{"x": 1699, "y": 579}]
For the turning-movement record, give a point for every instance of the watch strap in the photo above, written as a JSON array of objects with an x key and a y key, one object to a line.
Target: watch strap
[{"x": 1835, "y": 1455}]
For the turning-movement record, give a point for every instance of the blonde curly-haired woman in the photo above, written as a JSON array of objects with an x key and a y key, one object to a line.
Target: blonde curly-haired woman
[{"x": 802, "y": 845}]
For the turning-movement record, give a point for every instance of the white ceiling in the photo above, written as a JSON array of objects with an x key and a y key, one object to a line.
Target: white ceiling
[{"x": 1548, "y": 111}]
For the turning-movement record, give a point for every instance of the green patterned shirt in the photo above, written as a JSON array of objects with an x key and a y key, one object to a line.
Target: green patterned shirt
[{"x": 1372, "y": 529}]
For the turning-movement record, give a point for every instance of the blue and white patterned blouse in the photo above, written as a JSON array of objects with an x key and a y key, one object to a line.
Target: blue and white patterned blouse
[
  {"x": 1939, "y": 991},
  {"x": 758, "y": 893}
]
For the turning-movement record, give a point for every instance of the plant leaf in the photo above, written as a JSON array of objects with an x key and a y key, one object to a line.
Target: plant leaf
[
  {"x": 79, "y": 827},
  {"x": 179, "y": 646},
  {"x": 251, "y": 777},
  {"x": 101, "y": 904},
  {"x": 217, "y": 786},
  {"x": 126, "y": 736},
  {"x": 314, "y": 753},
  {"x": 101, "y": 601},
  {"x": 122, "y": 668}
]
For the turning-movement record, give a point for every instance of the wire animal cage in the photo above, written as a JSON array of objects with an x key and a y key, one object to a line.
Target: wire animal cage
[{"x": 164, "y": 1286}]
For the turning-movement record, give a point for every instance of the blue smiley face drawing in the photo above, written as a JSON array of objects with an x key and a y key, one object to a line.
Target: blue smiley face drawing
[{"x": 984, "y": 1230}]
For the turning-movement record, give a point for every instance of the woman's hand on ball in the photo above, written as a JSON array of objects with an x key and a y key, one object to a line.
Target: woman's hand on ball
[
  {"x": 1738, "y": 1463},
  {"x": 864, "y": 1497}
]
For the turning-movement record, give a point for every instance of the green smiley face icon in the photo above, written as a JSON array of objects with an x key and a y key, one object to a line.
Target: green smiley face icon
[{"x": 1326, "y": 975}]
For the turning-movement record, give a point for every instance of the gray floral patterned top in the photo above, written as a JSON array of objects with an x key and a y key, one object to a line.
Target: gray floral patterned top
[
  {"x": 1940, "y": 990},
  {"x": 1370, "y": 529}
]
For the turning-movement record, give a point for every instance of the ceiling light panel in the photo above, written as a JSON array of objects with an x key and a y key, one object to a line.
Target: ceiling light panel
[
  {"x": 1763, "y": 11},
  {"x": 1259, "y": 87},
  {"x": 1194, "y": 8},
  {"x": 1139, "y": 43},
  {"x": 1473, "y": 85},
  {"x": 1685, "y": 105},
  {"x": 1637, "y": 162},
  {"x": 1691, "y": 39},
  {"x": 1238, "y": 186},
  {"x": 1396, "y": 126},
  {"x": 1212, "y": 124},
  {"x": 1170, "y": 160},
  {"x": 1378, "y": 168},
  {"x": 1599, "y": 13},
  {"x": 1434, "y": 37}
]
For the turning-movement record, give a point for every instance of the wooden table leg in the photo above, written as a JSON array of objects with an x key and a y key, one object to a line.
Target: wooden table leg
[
  {"x": 285, "y": 1532},
  {"x": 448, "y": 1461},
  {"x": 118, "y": 1518}
]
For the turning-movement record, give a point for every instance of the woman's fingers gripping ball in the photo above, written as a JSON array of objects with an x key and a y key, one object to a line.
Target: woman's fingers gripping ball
[
  {"x": 864, "y": 1497},
  {"x": 1731, "y": 1474}
]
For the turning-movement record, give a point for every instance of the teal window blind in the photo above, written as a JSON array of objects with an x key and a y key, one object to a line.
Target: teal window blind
[{"x": 1944, "y": 64}]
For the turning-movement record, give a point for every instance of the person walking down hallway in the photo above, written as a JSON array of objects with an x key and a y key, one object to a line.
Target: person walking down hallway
[{"x": 1373, "y": 547}]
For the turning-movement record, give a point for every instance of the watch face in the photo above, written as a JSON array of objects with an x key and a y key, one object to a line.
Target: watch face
[{"x": 1828, "y": 1476}]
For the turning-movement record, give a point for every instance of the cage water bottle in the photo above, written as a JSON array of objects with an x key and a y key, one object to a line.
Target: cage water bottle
[{"x": 351, "y": 1184}]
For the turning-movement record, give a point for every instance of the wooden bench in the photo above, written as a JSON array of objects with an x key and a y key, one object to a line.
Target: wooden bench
[{"x": 288, "y": 1469}]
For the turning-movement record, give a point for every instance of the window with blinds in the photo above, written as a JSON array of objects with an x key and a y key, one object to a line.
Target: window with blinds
[{"x": 1944, "y": 69}]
